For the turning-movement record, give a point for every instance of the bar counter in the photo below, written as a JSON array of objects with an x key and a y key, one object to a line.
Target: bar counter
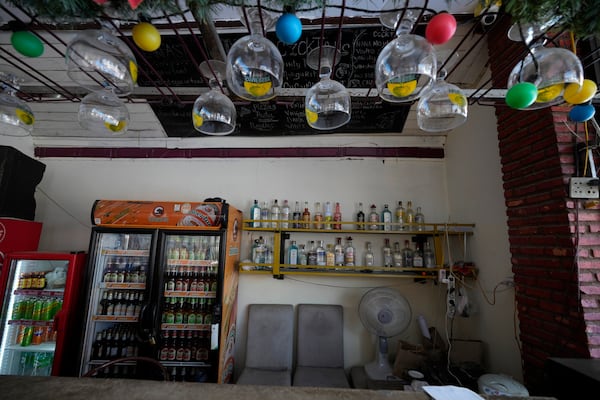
[{"x": 45, "y": 388}]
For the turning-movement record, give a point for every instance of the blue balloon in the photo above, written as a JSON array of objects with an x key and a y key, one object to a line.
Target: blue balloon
[
  {"x": 288, "y": 28},
  {"x": 582, "y": 113}
]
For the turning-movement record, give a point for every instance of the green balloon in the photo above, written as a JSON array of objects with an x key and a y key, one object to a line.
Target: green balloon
[
  {"x": 27, "y": 43},
  {"x": 521, "y": 95}
]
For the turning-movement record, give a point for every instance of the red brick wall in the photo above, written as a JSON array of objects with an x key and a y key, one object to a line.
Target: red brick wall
[{"x": 557, "y": 271}]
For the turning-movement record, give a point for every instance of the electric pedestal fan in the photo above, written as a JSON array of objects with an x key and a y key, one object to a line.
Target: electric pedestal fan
[{"x": 385, "y": 313}]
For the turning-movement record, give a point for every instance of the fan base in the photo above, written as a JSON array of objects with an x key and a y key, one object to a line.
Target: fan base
[{"x": 378, "y": 371}]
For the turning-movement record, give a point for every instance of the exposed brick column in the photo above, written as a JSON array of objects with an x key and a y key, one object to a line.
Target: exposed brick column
[{"x": 556, "y": 291}]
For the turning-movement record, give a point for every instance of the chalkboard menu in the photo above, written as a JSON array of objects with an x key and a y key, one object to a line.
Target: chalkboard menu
[{"x": 355, "y": 67}]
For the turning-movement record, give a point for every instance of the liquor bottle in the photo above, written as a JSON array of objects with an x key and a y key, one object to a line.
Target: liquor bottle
[
  {"x": 302, "y": 257},
  {"x": 369, "y": 256},
  {"x": 296, "y": 216},
  {"x": 419, "y": 219},
  {"x": 255, "y": 214},
  {"x": 275, "y": 214},
  {"x": 338, "y": 251},
  {"x": 360, "y": 218},
  {"x": 386, "y": 218},
  {"x": 163, "y": 354},
  {"x": 293, "y": 253},
  {"x": 265, "y": 214},
  {"x": 349, "y": 253},
  {"x": 328, "y": 216},
  {"x": 407, "y": 255},
  {"x": 312, "y": 253},
  {"x": 409, "y": 216},
  {"x": 397, "y": 255},
  {"x": 97, "y": 347},
  {"x": 428, "y": 256},
  {"x": 337, "y": 216},
  {"x": 388, "y": 259},
  {"x": 285, "y": 215},
  {"x": 321, "y": 259},
  {"x": 399, "y": 217},
  {"x": 102, "y": 305},
  {"x": 418, "y": 257},
  {"x": 329, "y": 255},
  {"x": 318, "y": 216},
  {"x": 306, "y": 217},
  {"x": 373, "y": 218}
]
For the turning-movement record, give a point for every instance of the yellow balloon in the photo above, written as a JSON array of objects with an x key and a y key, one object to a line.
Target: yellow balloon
[
  {"x": 575, "y": 94},
  {"x": 146, "y": 36},
  {"x": 549, "y": 93}
]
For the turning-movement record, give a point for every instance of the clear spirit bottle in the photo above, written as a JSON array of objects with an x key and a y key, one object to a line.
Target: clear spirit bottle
[
  {"x": 275, "y": 214},
  {"x": 265, "y": 215},
  {"x": 302, "y": 258},
  {"x": 318, "y": 216},
  {"x": 328, "y": 215},
  {"x": 409, "y": 216},
  {"x": 399, "y": 217},
  {"x": 349, "y": 253},
  {"x": 321, "y": 257},
  {"x": 418, "y": 257},
  {"x": 285, "y": 215},
  {"x": 386, "y": 218},
  {"x": 428, "y": 256},
  {"x": 369, "y": 256},
  {"x": 388, "y": 259},
  {"x": 407, "y": 255},
  {"x": 397, "y": 255},
  {"x": 338, "y": 251},
  {"x": 373, "y": 218},
  {"x": 337, "y": 216},
  {"x": 419, "y": 219}
]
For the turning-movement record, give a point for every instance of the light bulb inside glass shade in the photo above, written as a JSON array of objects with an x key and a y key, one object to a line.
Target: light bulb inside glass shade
[
  {"x": 16, "y": 117},
  {"x": 550, "y": 70},
  {"x": 214, "y": 114},
  {"x": 97, "y": 59},
  {"x": 104, "y": 113},
  {"x": 442, "y": 107}
]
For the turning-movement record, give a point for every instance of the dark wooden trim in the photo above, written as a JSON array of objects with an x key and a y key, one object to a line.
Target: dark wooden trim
[{"x": 242, "y": 152}]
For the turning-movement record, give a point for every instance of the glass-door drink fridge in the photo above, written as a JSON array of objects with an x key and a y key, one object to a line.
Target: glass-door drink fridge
[
  {"x": 40, "y": 293},
  {"x": 161, "y": 284}
]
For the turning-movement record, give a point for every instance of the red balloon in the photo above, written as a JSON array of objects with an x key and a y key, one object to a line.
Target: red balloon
[{"x": 441, "y": 28}]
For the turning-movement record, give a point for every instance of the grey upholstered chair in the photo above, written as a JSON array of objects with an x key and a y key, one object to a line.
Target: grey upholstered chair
[
  {"x": 269, "y": 345},
  {"x": 320, "y": 346}
]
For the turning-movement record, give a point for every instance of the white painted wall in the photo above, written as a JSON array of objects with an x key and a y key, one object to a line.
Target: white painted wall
[{"x": 444, "y": 188}]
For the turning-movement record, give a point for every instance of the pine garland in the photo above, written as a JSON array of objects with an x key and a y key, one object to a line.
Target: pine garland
[{"x": 581, "y": 17}]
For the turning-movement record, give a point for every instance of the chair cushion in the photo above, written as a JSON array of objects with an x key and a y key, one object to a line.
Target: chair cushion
[
  {"x": 320, "y": 337},
  {"x": 320, "y": 377},
  {"x": 270, "y": 338},
  {"x": 254, "y": 376}
]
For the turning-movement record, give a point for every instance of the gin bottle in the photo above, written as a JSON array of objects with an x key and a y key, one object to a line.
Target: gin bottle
[
  {"x": 388, "y": 259},
  {"x": 321, "y": 257},
  {"x": 399, "y": 217},
  {"x": 312, "y": 253},
  {"x": 409, "y": 216},
  {"x": 428, "y": 256},
  {"x": 318, "y": 216},
  {"x": 293, "y": 253},
  {"x": 265, "y": 215},
  {"x": 397, "y": 255},
  {"x": 255, "y": 214},
  {"x": 407, "y": 255},
  {"x": 302, "y": 258},
  {"x": 369, "y": 256},
  {"x": 337, "y": 217},
  {"x": 338, "y": 251},
  {"x": 418, "y": 257},
  {"x": 386, "y": 218},
  {"x": 349, "y": 253},
  {"x": 373, "y": 218},
  {"x": 285, "y": 215},
  {"x": 419, "y": 219},
  {"x": 275, "y": 214}
]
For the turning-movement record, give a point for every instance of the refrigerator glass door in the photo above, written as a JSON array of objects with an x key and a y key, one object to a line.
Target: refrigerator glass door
[
  {"x": 34, "y": 295},
  {"x": 189, "y": 271},
  {"x": 119, "y": 287}
]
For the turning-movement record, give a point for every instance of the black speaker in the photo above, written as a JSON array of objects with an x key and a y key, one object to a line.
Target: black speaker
[{"x": 19, "y": 176}]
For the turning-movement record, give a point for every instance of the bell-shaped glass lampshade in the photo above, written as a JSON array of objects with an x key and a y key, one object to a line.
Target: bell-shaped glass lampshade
[
  {"x": 104, "y": 113},
  {"x": 407, "y": 64},
  {"x": 214, "y": 113},
  {"x": 97, "y": 59},
  {"x": 441, "y": 107},
  {"x": 16, "y": 117},
  {"x": 254, "y": 66},
  {"x": 327, "y": 102},
  {"x": 550, "y": 69}
]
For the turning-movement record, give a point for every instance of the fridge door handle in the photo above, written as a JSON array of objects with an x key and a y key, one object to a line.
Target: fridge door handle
[{"x": 147, "y": 331}]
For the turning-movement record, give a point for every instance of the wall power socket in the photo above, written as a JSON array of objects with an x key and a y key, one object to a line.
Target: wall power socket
[{"x": 584, "y": 188}]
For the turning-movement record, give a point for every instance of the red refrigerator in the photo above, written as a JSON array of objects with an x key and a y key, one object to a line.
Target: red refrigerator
[
  {"x": 40, "y": 292},
  {"x": 161, "y": 284}
]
